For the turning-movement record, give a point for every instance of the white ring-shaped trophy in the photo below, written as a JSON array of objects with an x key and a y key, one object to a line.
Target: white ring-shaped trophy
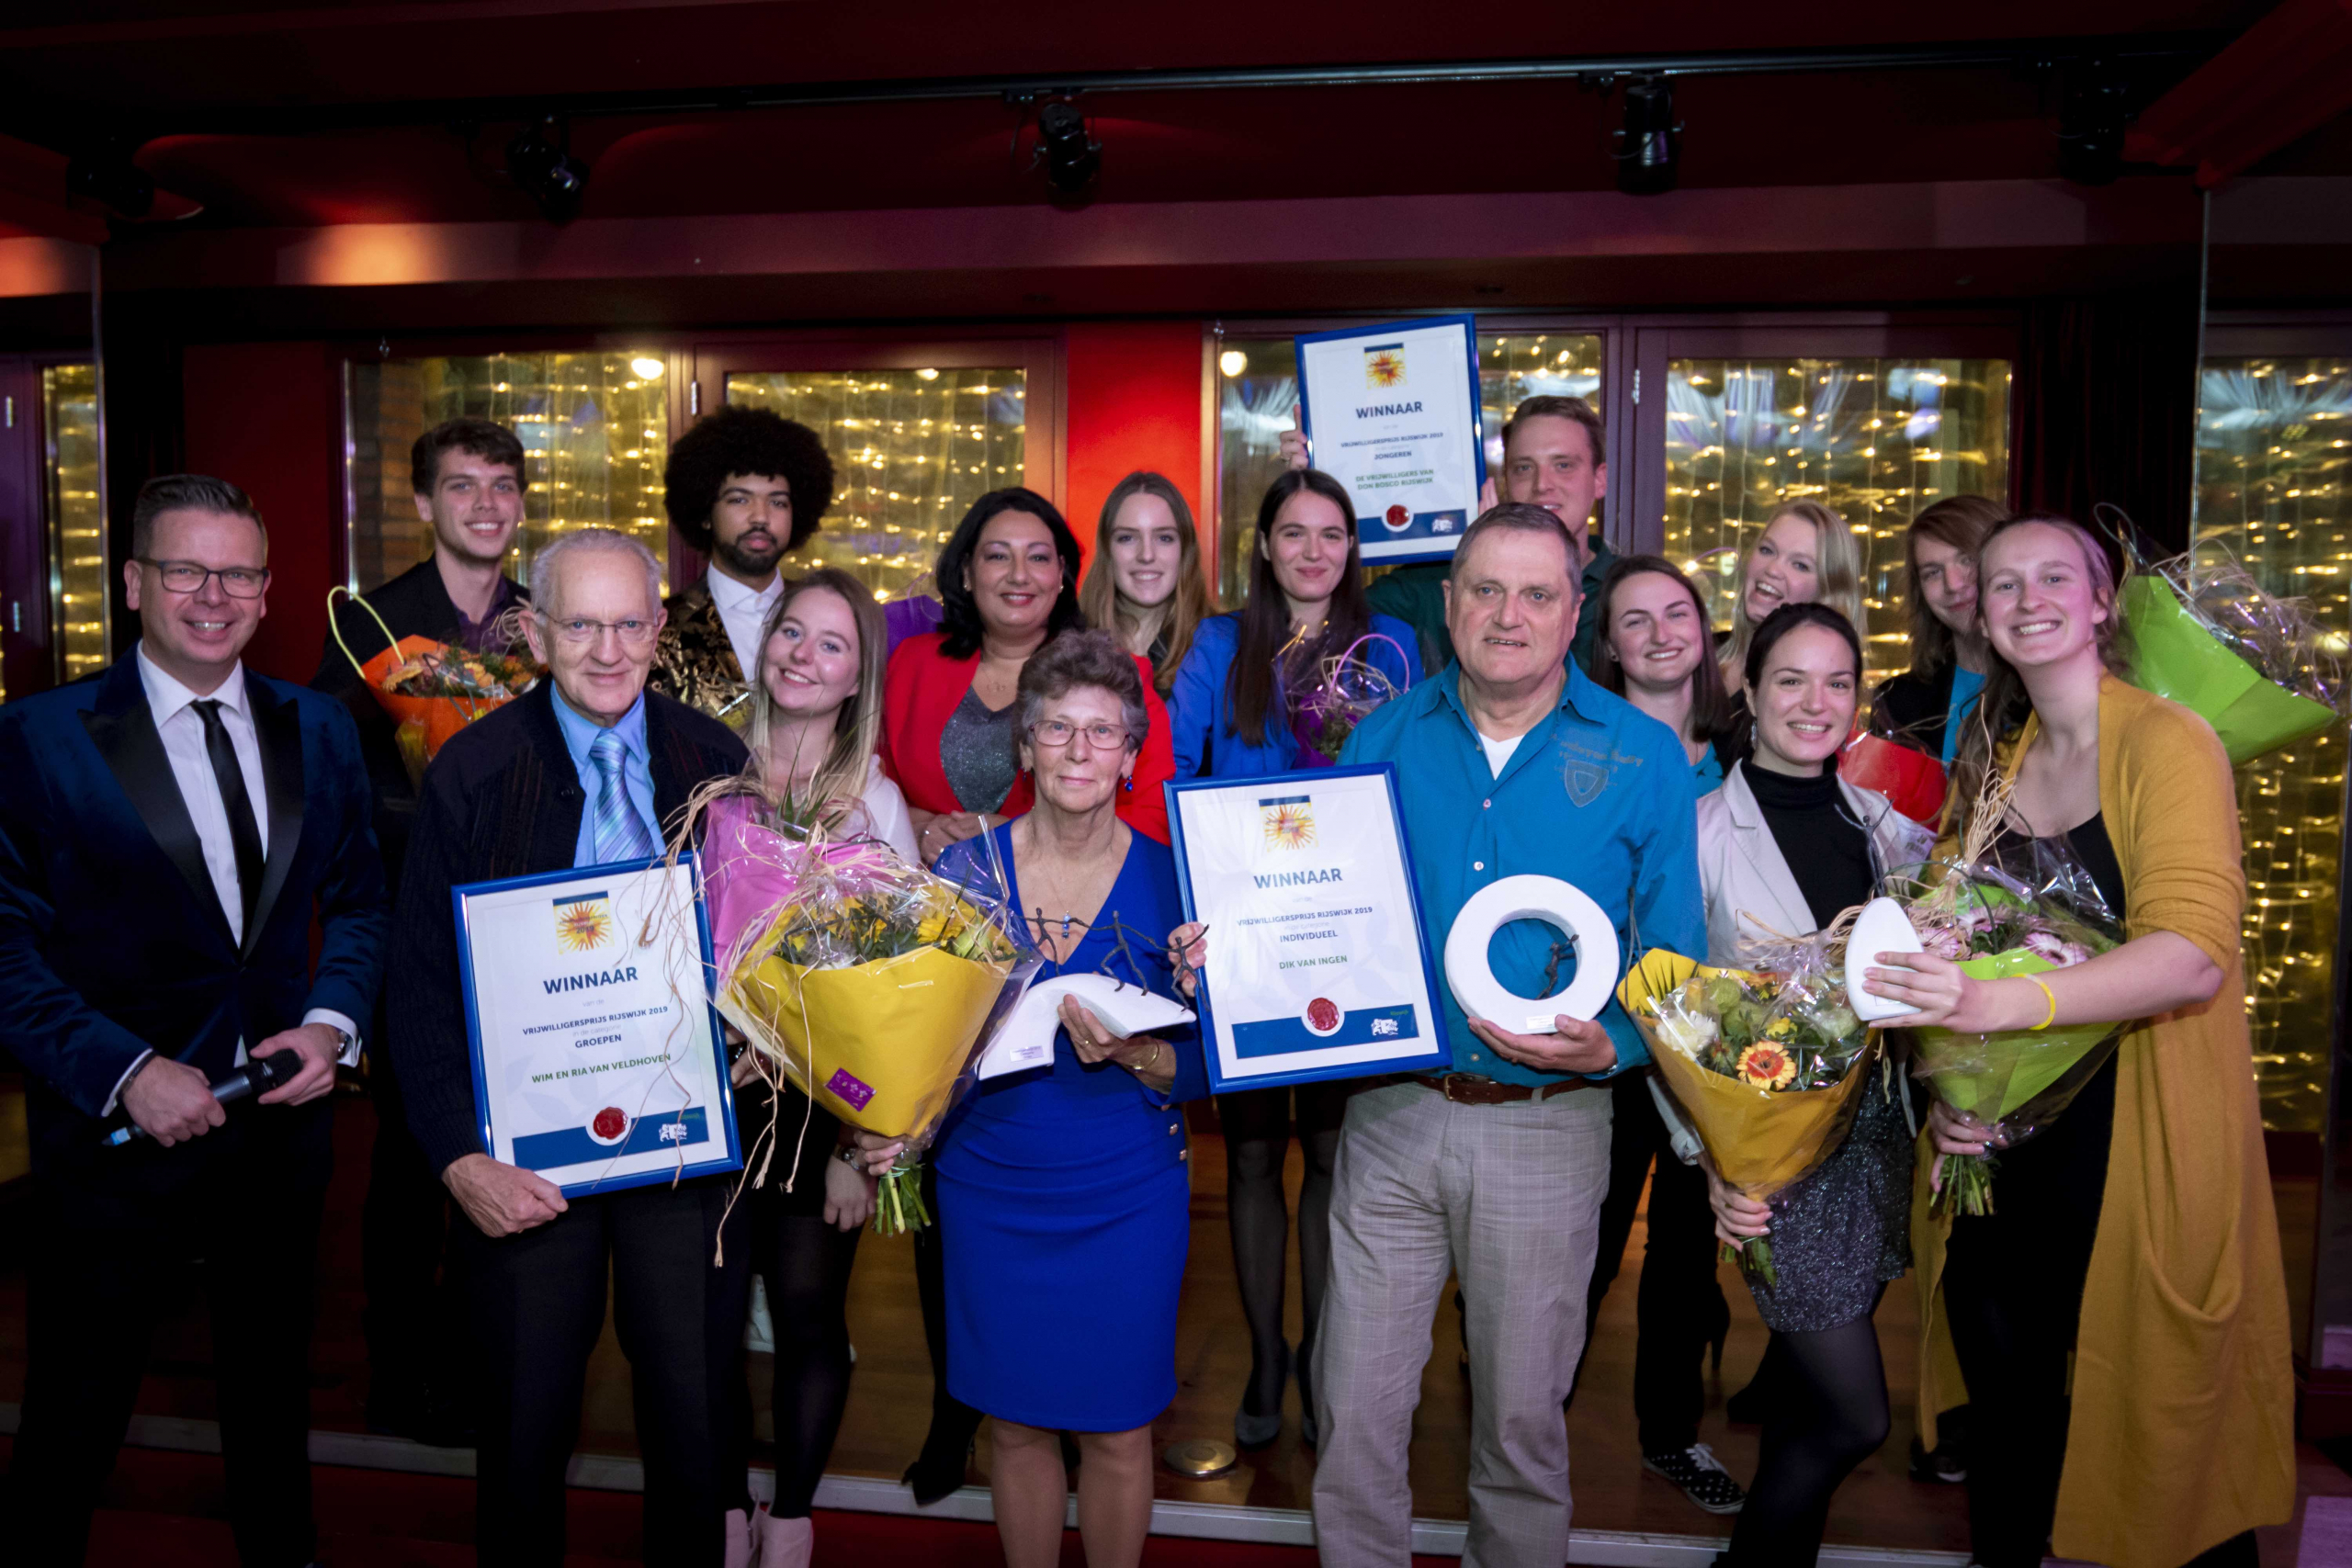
[{"x": 1560, "y": 905}]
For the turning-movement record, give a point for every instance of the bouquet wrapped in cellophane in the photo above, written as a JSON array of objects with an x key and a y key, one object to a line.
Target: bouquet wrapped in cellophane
[
  {"x": 2262, "y": 670},
  {"x": 1767, "y": 1066},
  {"x": 1338, "y": 691},
  {"x": 2005, "y": 908},
  {"x": 432, "y": 690},
  {"x": 869, "y": 983}
]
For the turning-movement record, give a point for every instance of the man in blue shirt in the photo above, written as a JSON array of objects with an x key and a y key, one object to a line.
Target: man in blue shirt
[
  {"x": 1510, "y": 762},
  {"x": 587, "y": 768}
]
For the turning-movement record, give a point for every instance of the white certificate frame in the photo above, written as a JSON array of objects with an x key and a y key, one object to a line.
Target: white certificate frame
[
  {"x": 587, "y": 998},
  {"x": 1325, "y": 970},
  {"x": 1402, "y": 426}
]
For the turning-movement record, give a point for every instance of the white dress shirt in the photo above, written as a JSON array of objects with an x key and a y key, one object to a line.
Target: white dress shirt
[
  {"x": 181, "y": 729},
  {"x": 744, "y": 612}
]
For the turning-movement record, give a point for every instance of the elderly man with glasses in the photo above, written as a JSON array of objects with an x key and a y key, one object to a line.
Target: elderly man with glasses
[{"x": 586, "y": 769}]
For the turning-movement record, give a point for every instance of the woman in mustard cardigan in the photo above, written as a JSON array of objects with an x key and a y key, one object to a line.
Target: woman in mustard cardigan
[{"x": 2136, "y": 1232}]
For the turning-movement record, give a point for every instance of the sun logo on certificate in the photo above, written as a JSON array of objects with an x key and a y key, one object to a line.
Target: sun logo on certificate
[
  {"x": 1384, "y": 366},
  {"x": 583, "y": 923},
  {"x": 1289, "y": 820}
]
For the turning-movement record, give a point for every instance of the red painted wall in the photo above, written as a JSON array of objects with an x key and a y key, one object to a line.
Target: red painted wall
[
  {"x": 268, "y": 417},
  {"x": 1132, "y": 393}
]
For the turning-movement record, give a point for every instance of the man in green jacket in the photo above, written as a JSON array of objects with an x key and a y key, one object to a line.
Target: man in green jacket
[{"x": 1555, "y": 458}]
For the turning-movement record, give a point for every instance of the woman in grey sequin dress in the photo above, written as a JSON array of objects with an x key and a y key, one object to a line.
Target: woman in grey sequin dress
[{"x": 1783, "y": 847}]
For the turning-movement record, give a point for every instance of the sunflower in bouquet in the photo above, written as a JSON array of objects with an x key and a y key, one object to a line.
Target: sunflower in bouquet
[
  {"x": 1767, "y": 1066},
  {"x": 869, "y": 983}
]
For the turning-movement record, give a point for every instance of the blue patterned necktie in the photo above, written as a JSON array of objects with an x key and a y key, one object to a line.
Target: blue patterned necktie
[{"x": 620, "y": 831}]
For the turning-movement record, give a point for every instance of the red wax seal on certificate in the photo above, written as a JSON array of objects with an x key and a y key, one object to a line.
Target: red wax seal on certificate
[
  {"x": 1397, "y": 518},
  {"x": 608, "y": 1125},
  {"x": 1323, "y": 1016}
]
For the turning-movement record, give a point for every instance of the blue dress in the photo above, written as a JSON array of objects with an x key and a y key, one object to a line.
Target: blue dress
[
  {"x": 1065, "y": 1202},
  {"x": 1197, "y": 717}
]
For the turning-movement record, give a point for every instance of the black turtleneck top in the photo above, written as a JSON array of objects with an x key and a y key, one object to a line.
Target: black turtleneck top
[{"x": 1827, "y": 847}]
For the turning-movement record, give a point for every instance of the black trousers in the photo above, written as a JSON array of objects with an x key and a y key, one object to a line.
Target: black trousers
[
  {"x": 1680, "y": 1308},
  {"x": 111, "y": 1227},
  {"x": 2013, "y": 1291},
  {"x": 413, "y": 1316},
  {"x": 538, "y": 1307}
]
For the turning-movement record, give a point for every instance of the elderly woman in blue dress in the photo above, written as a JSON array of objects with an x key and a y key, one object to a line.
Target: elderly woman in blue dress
[{"x": 1065, "y": 1192}]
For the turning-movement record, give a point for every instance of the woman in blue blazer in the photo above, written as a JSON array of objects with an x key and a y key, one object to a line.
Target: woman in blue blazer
[{"x": 1234, "y": 713}]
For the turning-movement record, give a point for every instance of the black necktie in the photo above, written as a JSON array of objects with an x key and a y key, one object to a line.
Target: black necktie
[{"x": 244, "y": 835}]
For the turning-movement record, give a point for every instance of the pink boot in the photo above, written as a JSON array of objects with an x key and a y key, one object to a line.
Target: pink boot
[
  {"x": 783, "y": 1543},
  {"x": 742, "y": 1539}
]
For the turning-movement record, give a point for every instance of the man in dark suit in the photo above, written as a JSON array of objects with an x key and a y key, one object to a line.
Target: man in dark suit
[
  {"x": 586, "y": 769},
  {"x": 167, "y": 831},
  {"x": 746, "y": 486},
  {"x": 468, "y": 474}
]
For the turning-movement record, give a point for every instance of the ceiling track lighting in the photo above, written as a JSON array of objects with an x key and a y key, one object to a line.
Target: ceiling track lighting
[
  {"x": 1648, "y": 150},
  {"x": 1071, "y": 158},
  {"x": 540, "y": 164}
]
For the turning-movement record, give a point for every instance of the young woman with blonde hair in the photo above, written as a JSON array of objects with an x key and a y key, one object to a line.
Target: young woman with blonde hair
[
  {"x": 2121, "y": 1320},
  {"x": 1807, "y": 555}
]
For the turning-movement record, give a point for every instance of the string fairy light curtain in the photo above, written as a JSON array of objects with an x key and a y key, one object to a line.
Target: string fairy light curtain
[
  {"x": 2274, "y": 449},
  {"x": 595, "y": 434}
]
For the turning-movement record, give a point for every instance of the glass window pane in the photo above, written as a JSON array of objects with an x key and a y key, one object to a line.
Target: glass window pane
[
  {"x": 1258, "y": 400},
  {"x": 1875, "y": 440},
  {"x": 911, "y": 450},
  {"x": 596, "y": 433},
  {"x": 2272, "y": 438},
  {"x": 77, "y": 542}
]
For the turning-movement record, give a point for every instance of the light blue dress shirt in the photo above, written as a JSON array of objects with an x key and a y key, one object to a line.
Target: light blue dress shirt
[
  {"x": 579, "y": 732},
  {"x": 1598, "y": 795}
]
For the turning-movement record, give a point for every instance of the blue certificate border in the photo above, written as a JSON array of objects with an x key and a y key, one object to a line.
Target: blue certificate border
[
  {"x": 1469, "y": 328},
  {"x": 1436, "y": 1061},
  {"x": 724, "y": 1110}
]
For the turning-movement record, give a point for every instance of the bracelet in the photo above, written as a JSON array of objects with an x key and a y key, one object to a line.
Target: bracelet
[
  {"x": 2051, "y": 1016},
  {"x": 1151, "y": 1061}
]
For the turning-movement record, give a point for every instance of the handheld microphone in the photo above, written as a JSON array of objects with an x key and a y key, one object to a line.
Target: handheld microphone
[{"x": 257, "y": 1076}]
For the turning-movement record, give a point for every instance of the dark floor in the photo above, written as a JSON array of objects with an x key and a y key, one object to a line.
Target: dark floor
[{"x": 1879, "y": 1506}]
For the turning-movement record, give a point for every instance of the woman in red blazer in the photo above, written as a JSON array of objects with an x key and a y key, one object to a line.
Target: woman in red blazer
[{"x": 1008, "y": 581}]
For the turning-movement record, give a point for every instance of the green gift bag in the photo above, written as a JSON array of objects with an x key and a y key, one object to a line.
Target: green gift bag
[{"x": 2176, "y": 656}]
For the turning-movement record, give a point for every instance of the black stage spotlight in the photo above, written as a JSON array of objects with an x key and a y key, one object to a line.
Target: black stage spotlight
[
  {"x": 539, "y": 162},
  {"x": 106, "y": 175},
  {"x": 1650, "y": 146},
  {"x": 2094, "y": 106},
  {"x": 1073, "y": 160}
]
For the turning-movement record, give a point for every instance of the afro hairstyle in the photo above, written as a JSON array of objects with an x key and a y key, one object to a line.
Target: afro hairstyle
[{"x": 735, "y": 440}]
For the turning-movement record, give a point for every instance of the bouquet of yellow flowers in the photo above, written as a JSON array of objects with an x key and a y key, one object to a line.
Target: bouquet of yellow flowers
[
  {"x": 1769, "y": 1067},
  {"x": 432, "y": 690},
  {"x": 869, "y": 983}
]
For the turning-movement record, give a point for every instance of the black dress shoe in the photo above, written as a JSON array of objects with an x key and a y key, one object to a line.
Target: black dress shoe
[{"x": 938, "y": 1472}]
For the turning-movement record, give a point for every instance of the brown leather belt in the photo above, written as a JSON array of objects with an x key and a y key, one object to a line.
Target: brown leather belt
[{"x": 1469, "y": 1088}]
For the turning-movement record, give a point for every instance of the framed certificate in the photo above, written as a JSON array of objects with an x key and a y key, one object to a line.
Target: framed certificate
[
  {"x": 598, "y": 1059},
  {"x": 1393, "y": 413},
  {"x": 1317, "y": 967}
]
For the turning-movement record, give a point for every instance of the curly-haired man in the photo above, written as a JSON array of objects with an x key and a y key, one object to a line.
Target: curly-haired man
[{"x": 746, "y": 488}]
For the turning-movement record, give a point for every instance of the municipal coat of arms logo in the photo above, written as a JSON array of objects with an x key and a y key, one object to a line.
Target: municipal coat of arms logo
[{"x": 584, "y": 923}]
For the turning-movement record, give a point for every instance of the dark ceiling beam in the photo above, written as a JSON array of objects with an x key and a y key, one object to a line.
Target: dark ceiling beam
[
  {"x": 28, "y": 118},
  {"x": 2286, "y": 77}
]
